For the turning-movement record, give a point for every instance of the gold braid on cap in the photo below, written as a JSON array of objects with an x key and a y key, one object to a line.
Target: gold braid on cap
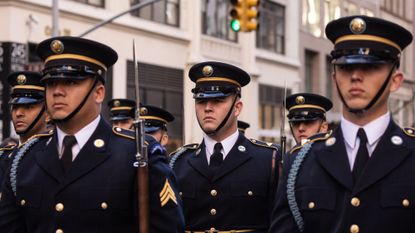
[
  {"x": 153, "y": 118},
  {"x": 218, "y": 79},
  {"x": 29, "y": 87},
  {"x": 76, "y": 57},
  {"x": 368, "y": 38},
  {"x": 307, "y": 106},
  {"x": 120, "y": 108}
]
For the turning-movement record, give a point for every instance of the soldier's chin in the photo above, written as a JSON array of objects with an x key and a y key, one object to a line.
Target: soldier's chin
[{"x": 209, "y": 131}]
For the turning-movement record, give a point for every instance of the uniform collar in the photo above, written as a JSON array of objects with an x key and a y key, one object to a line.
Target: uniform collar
[
  {"x": 374, "y": 129},
  {"x": 82, "y": 135},
  {"x": 227, "y": 143}
]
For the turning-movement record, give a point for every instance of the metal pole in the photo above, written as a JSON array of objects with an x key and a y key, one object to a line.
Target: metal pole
[
  {"x": 133, "y": 8},
  {"x": 55, "y": 18}
]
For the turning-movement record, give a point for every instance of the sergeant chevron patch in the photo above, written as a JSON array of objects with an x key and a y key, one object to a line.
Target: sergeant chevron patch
[{"x": 167, "y": 194}]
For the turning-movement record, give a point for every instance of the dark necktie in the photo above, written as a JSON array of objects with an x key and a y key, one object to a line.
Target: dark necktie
[
  {"x": 216, "y": 158},
  {"x": 68, "y": 142},
  {"x": 362, "y": 155}
]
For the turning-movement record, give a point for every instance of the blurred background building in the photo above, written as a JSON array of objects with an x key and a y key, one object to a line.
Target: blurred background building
[{"x": 171, "y": 35}]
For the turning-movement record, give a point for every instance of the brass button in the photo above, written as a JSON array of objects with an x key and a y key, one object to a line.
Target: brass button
[
  {"x": 405, "y": 202},
  {"x": 212, "y": 229},
  {"x": 311, "y": 205},
  {"x": 250, "y": 193},
  {"x": 213, "y": 193},
  {"x": 354, "y": 228},
  {"x": 23, "y": 202},
  {"x": 59, "y": 231},
  {"x": 355, "y": 202},
  {"x": 180, "y": 193},
  {"x": 213, "y": 212},
  {"x": 59, "y": 207},
  {"x": 104, "y": 205}
]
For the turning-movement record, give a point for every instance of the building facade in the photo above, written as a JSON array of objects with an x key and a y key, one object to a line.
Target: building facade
[{"x": 172, "y": 35}]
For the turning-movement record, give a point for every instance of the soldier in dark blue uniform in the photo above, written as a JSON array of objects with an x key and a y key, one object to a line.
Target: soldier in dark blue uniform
[
  {"x": 361, "y": 177},
  {"x": 156, "y": 120},
  {"x": 228, "y": 182},
  {"x": 81, "y": 178},
  {"x": 27, "y": 111},
  {"x": 307, "y": 115},
  {"x": 122, "y": 113},
  {"x": 242, "y": 126}
]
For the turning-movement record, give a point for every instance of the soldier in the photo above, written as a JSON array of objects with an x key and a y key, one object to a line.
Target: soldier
[
  {"x": 360, "y": 178},
  {"x": 155, "y": 124},
  {"x": 122, "y": 113},
  {"x": 307, "y": 115},
  {"x": 228, "y": 182},
  {"x": 242, "y": 126},
  {"x": 81, "y": 178},
  {"x": 27, "y": 111}
]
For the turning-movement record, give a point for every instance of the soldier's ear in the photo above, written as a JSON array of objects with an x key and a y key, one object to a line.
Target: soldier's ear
[
  {"x": 396, "y": 80},
  {"x": 238, "y": 107},
  {"x": 99, "y": 93}
]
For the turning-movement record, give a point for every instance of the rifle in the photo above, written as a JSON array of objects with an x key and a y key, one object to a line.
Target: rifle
[
  {"x": 283, "y": 113},
  {"x": 142, "y": 160}
]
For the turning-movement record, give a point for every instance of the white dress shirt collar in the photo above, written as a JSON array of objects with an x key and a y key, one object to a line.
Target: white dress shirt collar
[
  {"x": 227, "y": 144},
  {"x": 81, "y": 136},
  {"x": 374, "y": 130}
]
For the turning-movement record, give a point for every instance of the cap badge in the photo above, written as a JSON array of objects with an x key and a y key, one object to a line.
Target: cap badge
[
  {"x": 357, "y": 26},
  {"x": 143, "y": 111},
  {"x": 397, "y": 140},
  {"x": 98, "y": 143},
  {"x": 207, "y": 70},
  {"x": 117, "y": 103},
  {"x": 21, "y": 79},
  {"x": 57, "y": 46},
  {"x": 300, "y": 99},
  {"x": 241, "y": 148}
]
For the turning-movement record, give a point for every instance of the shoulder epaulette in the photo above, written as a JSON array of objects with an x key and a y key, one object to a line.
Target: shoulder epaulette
[
  {"x": 264, "y": 144},
  {"x": 409, "y": 131},
  {"x": 313, "y": 138},
  {"x": 123, "y": 133},
  {"x": 39, "y": 136},
  {"x": 179, "y": 151}
]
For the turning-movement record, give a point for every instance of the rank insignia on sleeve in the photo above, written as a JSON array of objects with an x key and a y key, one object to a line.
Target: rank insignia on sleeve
[{"x": 167, "y": 194}]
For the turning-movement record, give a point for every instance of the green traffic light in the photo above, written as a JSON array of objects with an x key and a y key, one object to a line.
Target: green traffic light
[{"x": 235, "y": 25}]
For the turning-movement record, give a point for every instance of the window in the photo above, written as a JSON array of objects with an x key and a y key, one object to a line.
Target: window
[
  {"x": 166, "y": 12},
  {"x": 216, "y": 19},
  {"x": 332, "y": 10},
  {"x": 396, "y": 7},
  {"x": 311, "y": 17},
  {"x": 271, "y": 32},
  {"x": 161, "y": 87},
  {"x": 310, "y": 64},
  {"x": 97, "y": 3},
  {"x": 270, "y": 114}
]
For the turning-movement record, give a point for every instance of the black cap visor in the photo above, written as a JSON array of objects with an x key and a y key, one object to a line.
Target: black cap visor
[
  {"x": 69, "y": 72},
  {"x": 211, "y": 92},
  {"x": 25, "y": 100},
  {"x": 362, "y": 56}
]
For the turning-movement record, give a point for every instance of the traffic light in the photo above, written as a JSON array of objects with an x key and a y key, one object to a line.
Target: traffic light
[
  {"x": 244, "y": 14},
  {"x": 237, "y": 14},
  {"x": 251, "y": 15}
]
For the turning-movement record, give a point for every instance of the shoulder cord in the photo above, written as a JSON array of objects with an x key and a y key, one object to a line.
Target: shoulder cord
[
  {"x": 292, "y": 176},
  {"x": 16, "y": 161},
  {"x": 176, "y": 156}
]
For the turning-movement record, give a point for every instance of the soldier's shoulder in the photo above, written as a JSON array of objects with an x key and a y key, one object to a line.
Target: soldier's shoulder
[
  {"x": 409, "y": 131},
  {"x": 45, "y": 136},
  {"x": 181, "y": 151},
  {"x": 123, "y": 133},
  {"x": 7, "y": 148},
  {"x": 316, "y": 138},
  {"x": 263, "y": 144}
]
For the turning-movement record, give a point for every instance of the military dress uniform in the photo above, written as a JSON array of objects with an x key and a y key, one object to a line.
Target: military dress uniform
[
  {"x": 306, "y": 107},
  {"x": 26, "y": 89},
  {"x": 239, "y": 195},
  {"x": 98, "y": 192},
  {"x": 319, "y": 192}
]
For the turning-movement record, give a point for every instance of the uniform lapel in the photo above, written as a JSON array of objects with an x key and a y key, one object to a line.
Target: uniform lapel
[
  {"x": 199, "y": 162},
  {"x": 386, "y": 156},
  {"x": 333, "y": 158},
  {"x": 92, "y": 154},
  {"x": 238, "y": 155},
  {"x": 48, "y": 158}
]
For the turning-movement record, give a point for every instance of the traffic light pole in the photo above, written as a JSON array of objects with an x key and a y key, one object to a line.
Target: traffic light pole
[{"x": 133, "y": 8}]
